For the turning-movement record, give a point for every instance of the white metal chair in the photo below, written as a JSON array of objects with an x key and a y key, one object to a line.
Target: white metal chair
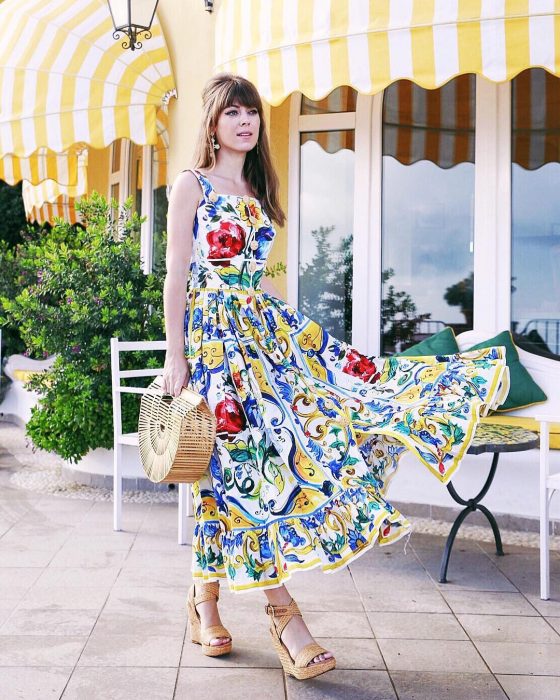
[
  {"x": 120, "y": 439},
  {"x": 548, "y": 484}
]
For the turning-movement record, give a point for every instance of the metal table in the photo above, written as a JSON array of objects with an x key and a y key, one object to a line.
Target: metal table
[{"x": 494, "y": 438}]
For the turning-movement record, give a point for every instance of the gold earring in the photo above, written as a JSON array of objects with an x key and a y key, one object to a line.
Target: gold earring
[{"x": 215, "y": 144}]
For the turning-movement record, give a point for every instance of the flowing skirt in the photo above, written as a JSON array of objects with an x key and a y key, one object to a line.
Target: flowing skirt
[{"x": 309, "y": 434}]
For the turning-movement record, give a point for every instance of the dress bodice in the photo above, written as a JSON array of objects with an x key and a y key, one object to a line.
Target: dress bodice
[{"x": 232, "y": 238}]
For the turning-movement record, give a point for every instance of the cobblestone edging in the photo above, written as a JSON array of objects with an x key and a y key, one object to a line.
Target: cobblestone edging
[{"x": 44, "y": 472}]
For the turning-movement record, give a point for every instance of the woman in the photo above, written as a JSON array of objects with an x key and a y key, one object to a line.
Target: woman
[{"x": 309, "y": 430}]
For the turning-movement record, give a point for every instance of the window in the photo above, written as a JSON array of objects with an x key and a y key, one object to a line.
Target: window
[
  {"x": 136, "y": 175},
  {"x": 535, "y": 213},
  {"x": 141, "y": 172},
  {"x": 427, "y": 211},
  {"x": 115, "y": 198},
  {"x": 326, "y": 211},
  {"x": 116, "y": 156},
  {"x": 114, "y": 176}
]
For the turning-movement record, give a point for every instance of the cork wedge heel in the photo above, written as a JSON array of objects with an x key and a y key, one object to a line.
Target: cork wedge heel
[
  {"x": 205, "y": 636},
  {"x": 300, "y": 667}
]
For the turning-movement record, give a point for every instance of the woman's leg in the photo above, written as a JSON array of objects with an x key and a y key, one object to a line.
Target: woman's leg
[
  {"x": 295, "y": 635},
  {"x": 209, "y": 615}
]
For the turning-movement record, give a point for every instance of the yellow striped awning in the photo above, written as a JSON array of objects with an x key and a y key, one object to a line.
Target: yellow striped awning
[
  {"x": 436, "y": 125},
  {"x": 535, "y": 119},
  {"x": 314, "y": 46},
  {"x": 49, "y": 200},
  {"x": 64, "y": 79},
  {"x": 439, "y": 125},
  {"x": 62, "y": 208},
  {"x": 63, "y": 168},
  {"x": 59, "y": 179},
  {"x": 49, "y": 191},
  {"x": 42, "y": 165}
]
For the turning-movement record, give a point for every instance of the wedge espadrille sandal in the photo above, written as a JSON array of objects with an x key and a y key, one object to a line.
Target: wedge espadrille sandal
[
  {"x": 300, "y": 667},
  {"x": 205, "y": 636}
]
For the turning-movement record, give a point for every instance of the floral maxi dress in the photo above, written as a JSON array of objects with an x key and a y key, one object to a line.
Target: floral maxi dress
[{"x": 309, "y": 430}]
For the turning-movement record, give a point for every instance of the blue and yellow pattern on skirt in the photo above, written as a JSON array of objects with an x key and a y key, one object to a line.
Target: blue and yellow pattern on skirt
[{"x": 310, "y": 430}]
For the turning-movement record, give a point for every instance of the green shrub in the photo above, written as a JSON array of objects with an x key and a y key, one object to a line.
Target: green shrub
[
  {"x": 85, "y": 285},
  {"x": 15, "y": 277},
  {"x": 14, "y": 229}
]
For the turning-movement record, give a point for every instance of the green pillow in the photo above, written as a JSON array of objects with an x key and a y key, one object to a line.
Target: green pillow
[
  {"x": 441, "y": 343},
  {"x": 524, "y": 391}
]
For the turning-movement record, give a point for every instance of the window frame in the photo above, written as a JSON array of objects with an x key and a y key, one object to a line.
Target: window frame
[
  {"x": 298, "y": 124},
  {"x": 492, "y": 208},
  {"x": 122, "y": 177}
]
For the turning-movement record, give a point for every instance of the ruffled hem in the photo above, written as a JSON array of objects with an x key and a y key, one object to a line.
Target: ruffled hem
[{"x": 329, "y": 538}]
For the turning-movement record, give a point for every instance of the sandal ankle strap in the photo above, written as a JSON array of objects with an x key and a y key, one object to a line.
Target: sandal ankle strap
[
  {"x": 211, "y": 591},
  {"x": 290, "y": 609},
  {"x": 282, "y": 614}
]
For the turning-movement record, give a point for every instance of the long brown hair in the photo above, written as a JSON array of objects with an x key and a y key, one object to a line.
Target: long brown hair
[{"x": 220, "y": 92}]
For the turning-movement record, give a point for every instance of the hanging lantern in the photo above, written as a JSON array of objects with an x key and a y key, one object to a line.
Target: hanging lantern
[{"x": 132, "y": 19}]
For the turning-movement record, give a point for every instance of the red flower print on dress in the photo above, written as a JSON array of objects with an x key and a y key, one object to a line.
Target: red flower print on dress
[
  {"x": 359, "y": 365},
  {"x": 230, "y": 417},
  {"x": 225, "y": 242}
]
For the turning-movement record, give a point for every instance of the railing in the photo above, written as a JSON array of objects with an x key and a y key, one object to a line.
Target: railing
[
  {"x": 429, "y": 327},
  {"x": 548, "y": 329}
]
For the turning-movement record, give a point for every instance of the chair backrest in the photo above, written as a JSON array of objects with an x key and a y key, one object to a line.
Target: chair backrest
[{"x": 117, "y": 374}]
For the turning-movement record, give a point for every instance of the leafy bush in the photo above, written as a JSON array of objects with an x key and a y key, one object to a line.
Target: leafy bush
[
  {"x": 13, "y": 213},
  {"x": 17, "y": 274},
  {"x": 85, "y": 285},
  {"x": 10, "y": 286},
  {"x": 13, "y": 230}
]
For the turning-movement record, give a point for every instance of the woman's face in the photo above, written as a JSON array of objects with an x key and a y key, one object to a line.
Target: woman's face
[{"x": 238, "y": 128}]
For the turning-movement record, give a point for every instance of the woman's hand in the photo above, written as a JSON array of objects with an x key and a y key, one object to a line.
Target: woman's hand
[{"x": 176, "y": 374}]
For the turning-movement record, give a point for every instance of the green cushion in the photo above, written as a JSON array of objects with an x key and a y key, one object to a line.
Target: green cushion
[
  {"x": 441, "y": 343},
  {"x": 524, "y": 391}
]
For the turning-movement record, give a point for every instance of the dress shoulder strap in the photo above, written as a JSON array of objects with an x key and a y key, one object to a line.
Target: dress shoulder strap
[{"x": 204, "y": 182}]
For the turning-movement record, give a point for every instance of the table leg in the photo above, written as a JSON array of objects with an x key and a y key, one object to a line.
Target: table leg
[
  {"x": 449, "y": 543},
  {"x": 470, "y": 506},
  {"x": 495, "y": 529}
]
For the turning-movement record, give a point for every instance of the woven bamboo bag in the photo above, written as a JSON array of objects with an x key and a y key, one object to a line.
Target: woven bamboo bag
[{"x": 176, "y": 435}]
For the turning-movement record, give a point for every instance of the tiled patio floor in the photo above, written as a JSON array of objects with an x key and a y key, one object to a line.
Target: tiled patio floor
[{"x": 89, "y": 613}]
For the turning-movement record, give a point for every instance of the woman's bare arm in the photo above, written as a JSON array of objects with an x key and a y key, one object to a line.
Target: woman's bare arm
[{"x": 185, "y": 195}]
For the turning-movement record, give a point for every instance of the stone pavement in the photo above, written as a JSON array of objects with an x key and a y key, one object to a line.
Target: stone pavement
[{"x": 89, "y": 613}]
